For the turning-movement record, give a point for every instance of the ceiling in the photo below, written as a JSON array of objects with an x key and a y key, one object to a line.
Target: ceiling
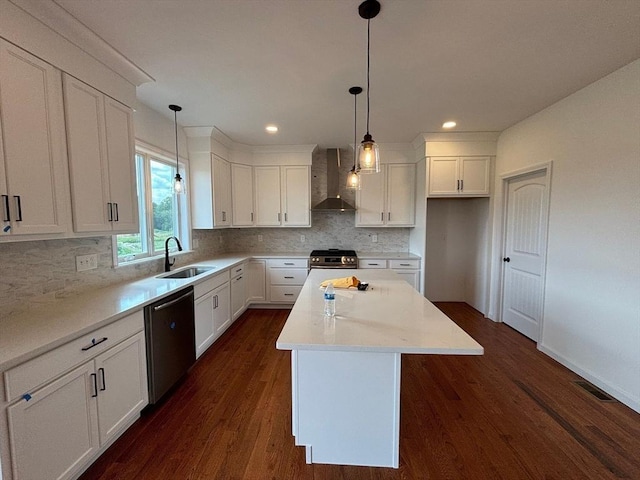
[{"x": 241, "y": 64}]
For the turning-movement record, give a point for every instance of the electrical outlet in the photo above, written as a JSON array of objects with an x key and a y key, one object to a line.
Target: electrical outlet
[
  {"x": 302, "y": 239},
  {"x": 259, "y": 238},
  {"x": 374, "y": 238},
  {"x": 86, "y": 262}
]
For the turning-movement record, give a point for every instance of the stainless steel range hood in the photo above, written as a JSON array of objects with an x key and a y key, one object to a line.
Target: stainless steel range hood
[{"x": 333, "y": 202}]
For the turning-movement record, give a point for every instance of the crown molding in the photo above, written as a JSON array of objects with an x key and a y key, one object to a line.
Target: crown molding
[{"x": 54, "y": 16}]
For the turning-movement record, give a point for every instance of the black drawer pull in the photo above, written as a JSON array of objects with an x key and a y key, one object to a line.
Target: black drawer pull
[
  {"x": 288, "y": 294},
  {"x": 104, "y": 384},
  {"x": 94, "y": 378},
  {"x": 94, "y": 343},
  {"x": 288, "y": 263},
  {"x": 19, "y": 207},
  {"x": 289, "y": 277}
]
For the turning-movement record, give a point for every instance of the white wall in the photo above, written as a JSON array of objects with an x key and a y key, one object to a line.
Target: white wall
[
  {"x": 592, "y": 297},
  {"x": 158, "y": 131}
]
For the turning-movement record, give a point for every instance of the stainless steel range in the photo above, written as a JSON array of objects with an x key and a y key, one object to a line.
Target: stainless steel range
[{"x": 333, "y": 258}]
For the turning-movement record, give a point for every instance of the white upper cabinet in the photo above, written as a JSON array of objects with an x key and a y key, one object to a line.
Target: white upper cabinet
[
  {"x": 282, "y": 196},
  {"x": 242, "y": 195},
  {"x": 296, "y": 196},
  {"x": 459, "y": 176},
  {"x": 387, "y": 198},
  {"x": 101, "y": 160},
  {"x": 221, "y": 192},
  {"x": 33, "y": 167}
]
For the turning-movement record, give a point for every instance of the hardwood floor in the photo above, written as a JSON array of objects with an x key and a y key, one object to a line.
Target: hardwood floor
[{"x": 513, "y": 413}]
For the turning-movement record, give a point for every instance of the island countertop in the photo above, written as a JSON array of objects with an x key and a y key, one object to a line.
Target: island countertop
[{"x": 388, "y": 317}]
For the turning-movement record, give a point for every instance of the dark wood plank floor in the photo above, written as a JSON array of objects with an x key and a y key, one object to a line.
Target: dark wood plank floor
[{"x": 512, "y": 413}]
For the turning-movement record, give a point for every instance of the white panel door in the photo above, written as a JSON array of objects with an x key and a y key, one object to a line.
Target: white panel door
[
  {"x": 370, "y": 200},
  {"x": 222, "y": 309},
  {"x": 55, "y": 432},
  {"x": 122, "y": 171},
  {"x": 204, "y": 325},
  {"x": 256, "y": 281},
  {"x": 296, "y": 196},
  {"x": 122, "y": 385},
  {"x": 267, "y": 196},
  {"x": 221, "y": 192},
  {"x": 401, "y": 181},
  {"x": 242, "y": 195},
  {"x": 33, "y": 142},
  {"x": 525, "y": 253},
  {"x": 88, "y": 164}
]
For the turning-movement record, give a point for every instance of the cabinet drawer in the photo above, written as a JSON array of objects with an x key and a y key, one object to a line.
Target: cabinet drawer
[
  {"x": 287, "y": 276},
  {"x": 400, "y": 264},
  {"x": 237, "y": 270},
  {"x": 30, "y": 375},
  {"x": 372, "y": 264},
  {"x": 210, "y": 283},
  {"x": 288, "y": 262},
  {"x": 285, "y": 294}
]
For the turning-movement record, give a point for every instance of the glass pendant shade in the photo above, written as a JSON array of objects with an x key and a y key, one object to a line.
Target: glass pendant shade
[
  {"x": 368, "y": 156},
  {"x": 353, "y": 180},
  {"x": 178, "y": 185}
]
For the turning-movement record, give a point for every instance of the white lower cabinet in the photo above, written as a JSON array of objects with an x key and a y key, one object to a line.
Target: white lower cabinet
[
  {"x": 57, "y": 428},
  {"x": 238, "y": 291},
  {"x": 286, "y": 278},
  {"x": 408, "y": 269},
  {"x": 212, "y": 310},
  {"x": 256, "y": 281}
]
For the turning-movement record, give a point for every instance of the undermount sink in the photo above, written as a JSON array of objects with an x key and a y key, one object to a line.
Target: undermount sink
[{"x": 187, "y": 272}]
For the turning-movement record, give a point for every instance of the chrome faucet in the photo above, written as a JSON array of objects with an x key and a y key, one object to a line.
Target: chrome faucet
[{"x": 167, "y": 264}]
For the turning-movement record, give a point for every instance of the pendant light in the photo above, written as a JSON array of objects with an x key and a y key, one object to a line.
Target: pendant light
[
  {"x": 178, "y": 182},
  {"x": 368, "y": 152},
  {"x": 353, "y": 180}
]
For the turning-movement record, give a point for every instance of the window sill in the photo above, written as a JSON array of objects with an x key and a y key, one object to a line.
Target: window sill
[{"x": 143, "y": 260}]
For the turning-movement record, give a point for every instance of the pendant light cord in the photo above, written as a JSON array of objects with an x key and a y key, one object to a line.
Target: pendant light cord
[
  {"x": 175, "y": 122},
  {"x": 368, "y": 62},
  {"x": 355, "y": 129}
]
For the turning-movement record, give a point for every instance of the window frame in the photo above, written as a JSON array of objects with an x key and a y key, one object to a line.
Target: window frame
[{"x": 145, "y": 206}]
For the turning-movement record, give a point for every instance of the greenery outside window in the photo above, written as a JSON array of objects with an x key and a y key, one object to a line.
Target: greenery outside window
[{"x": 162, "y": 214}]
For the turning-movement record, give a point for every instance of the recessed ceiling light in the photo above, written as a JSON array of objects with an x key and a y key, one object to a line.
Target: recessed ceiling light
[
  {"x": 271, "y": 128},
  {"x": 449, "y": 124}
]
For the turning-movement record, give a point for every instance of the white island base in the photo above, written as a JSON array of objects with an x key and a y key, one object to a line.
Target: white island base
[
  {"x": 346, "y": 406},
  {"x": 345, "y": 370}
]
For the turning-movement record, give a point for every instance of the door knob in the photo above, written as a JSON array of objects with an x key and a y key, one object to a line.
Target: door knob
[{"x": 506, "y": 259}]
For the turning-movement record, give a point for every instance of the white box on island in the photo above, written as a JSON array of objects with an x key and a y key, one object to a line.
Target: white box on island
[{"x": 346, "y": 369}]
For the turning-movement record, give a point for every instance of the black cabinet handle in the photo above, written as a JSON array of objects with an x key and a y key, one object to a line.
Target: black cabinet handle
[
  {"x": 116, "y": 210},
  {"x": 94, "y": 379},
  {"x": 19, "y": 206},
  {"x": 461, "y": 185},
  {"x": 104, "y": 385},
  {"x": 7, "y": 212},
  {"x": 110, "y": 211},
  {"x": 288, "y": 263},
  {"x": 506, "y": 259},
  {"x": 94, "y": 343},
  {"x": 289, "y": 277}
]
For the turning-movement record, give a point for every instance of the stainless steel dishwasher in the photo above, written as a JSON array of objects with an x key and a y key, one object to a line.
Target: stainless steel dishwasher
[{"x": 170, "y": 338}]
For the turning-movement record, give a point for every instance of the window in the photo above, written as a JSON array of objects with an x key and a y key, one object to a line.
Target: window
[{"x": 162, "y": 214}]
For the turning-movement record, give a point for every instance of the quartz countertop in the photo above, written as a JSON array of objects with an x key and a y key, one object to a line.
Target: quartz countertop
[
  {"x": 42, "y": 327},
  {"x": 388, "y": 317},
  {"x": 388, "y": 255}
]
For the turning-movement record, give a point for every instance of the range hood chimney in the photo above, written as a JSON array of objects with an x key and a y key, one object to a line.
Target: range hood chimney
[{"x": 333, "y": 202}]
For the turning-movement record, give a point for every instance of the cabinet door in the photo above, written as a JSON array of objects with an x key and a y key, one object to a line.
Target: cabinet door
[
  {"x": 412, "y": 277},
  {"x": 54, "y": 433},
  {"x": 88, "y": 166},
  {"x": 242, "y": 195},
  {"x": 221, "y": 192},
  {"x": 122, "y": 385},
  {"x": 256, "y": 278},
  {"x": 122, "y": 171},
  {"x": 204, "y": 323},
  {"x": 36, "y": 173},
  {"x": 401, "y": 195},
  {"x": 370, "y": 200},
  {"x": 475, "y": 175},
  {"x": 222, "y": 309},
  {"x": 267, "y": 196},
  {"x": 296, "y": 196},
  {"x": 238, "y": 296},
  {"x": 443, "y": 176}
]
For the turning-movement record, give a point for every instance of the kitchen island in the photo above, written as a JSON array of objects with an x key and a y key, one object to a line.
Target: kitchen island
[{"x": 345, "y": 370}]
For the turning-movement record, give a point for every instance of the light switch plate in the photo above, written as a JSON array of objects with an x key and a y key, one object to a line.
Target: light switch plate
[{"x": 374, "y": 238}]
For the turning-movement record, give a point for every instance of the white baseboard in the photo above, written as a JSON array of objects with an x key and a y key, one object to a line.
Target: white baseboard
[{"x": 620, "y": 395}]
